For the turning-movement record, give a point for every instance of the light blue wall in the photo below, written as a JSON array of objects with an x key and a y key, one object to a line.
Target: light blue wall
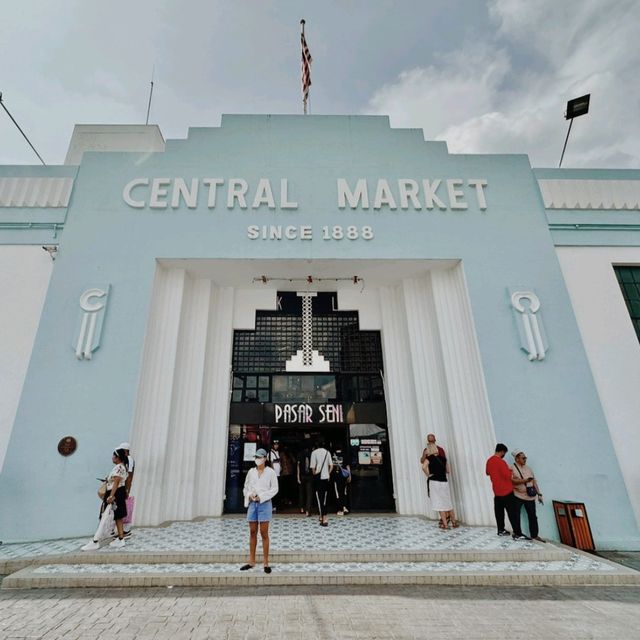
[{"x": 551, "y": 408}]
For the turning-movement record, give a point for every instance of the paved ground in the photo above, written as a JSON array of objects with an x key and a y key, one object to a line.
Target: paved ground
[
  {"x": 322, "y": 613},
  {"x": 629, "y": 559},
  {"x": 229, "y": 533}
]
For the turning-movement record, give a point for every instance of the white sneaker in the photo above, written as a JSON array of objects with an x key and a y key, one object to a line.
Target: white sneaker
[
  {"x": 92, "y": 545},
  {"x": 117, "y": 543}
]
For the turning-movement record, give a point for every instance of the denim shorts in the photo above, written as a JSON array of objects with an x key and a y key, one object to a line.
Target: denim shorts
[{"x": 259, "y": 511}]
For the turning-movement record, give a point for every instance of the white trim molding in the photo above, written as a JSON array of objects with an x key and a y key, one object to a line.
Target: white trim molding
[
  {"x": 591, "y": 194},
  {"x": 35, "y": 192}
]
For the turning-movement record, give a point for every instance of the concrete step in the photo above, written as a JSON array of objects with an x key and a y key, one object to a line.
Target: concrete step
[
  {"x": 355, "y": 550},
  {"x": 540, "y": 553},
  {"x": 104, "y": 555},
  {"x": 572, "y": 569}
]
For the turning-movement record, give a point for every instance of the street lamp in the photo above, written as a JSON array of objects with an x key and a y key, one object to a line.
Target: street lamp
[{"x": 576, "y": 107}]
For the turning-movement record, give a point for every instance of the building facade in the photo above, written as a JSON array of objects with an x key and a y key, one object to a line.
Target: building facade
[{"x": 288, "y": 278}]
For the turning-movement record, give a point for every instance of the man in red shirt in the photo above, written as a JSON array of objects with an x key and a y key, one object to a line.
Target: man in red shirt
[{"x": 500, "y": 473}]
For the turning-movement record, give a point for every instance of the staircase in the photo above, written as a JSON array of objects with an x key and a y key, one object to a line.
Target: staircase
[{"x": 351, "y": 551}]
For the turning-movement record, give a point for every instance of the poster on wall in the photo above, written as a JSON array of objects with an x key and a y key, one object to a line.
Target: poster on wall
[
  {"x": 376, "y": 457},
  {"x": 364, "y": 456},
  {"x": 249, "y": 451}
]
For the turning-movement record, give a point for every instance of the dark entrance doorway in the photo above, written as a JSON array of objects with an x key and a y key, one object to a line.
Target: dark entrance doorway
[
  {"x": 307, "y": 371},
  {"x": 365, "y": 448}
]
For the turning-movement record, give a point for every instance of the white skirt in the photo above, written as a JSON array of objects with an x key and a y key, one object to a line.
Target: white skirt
[{"x": 440, "y": 496}]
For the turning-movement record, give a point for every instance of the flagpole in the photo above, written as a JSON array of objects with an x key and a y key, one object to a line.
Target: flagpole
[{"x": 304, "y": 99}]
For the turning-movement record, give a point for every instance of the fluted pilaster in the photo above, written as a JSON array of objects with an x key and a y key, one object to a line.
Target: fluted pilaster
[
  {"x": 402, "y": 412},
  {"x": 151, "y": 425},
  {"x": 178, "y": 484},
  {"x": 214, "y": 415},
  {"x": 428, "y": 372},
  {"x": 473, "y": 436}
]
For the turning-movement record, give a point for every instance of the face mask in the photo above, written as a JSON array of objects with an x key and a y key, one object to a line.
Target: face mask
[{"x": 259, "y": 461}]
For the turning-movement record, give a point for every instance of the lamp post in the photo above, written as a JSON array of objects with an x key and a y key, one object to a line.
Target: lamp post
[{"x": 576, "y": 107}]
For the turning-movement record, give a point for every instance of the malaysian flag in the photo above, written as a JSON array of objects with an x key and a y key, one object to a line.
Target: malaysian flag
[{"x": 306, "y": 68}]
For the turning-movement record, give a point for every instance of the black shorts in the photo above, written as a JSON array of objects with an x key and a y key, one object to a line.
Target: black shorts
[
  {"x": 120, "y": 500},
  {"x": 319, "y": 484}
]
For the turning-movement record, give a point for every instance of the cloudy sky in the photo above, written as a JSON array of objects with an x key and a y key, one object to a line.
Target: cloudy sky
[{"x": 487, "y": 77}]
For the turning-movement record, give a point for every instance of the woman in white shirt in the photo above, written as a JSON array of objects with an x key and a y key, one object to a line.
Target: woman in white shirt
[
  {"x": 115, "y": 498},
  {"x": 260, "y": 486}
]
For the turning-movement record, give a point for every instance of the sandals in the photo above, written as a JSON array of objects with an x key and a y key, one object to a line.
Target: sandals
[
  {"x": 442, "y": 525},
  {"x": 454, "y": 523}
]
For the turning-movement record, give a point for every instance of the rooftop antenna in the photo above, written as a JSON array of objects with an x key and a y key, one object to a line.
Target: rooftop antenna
[
  {"x": 24, "y": 135},
  {"x": 153, "y": 71}
]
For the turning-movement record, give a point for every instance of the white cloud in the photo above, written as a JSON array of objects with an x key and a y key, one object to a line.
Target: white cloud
[
  {"x": 453, "y": 91},
  {"x": 509, "y": 95}
]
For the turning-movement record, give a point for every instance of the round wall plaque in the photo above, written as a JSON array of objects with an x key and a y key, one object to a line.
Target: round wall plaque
[{"x": 67, "y": 446}]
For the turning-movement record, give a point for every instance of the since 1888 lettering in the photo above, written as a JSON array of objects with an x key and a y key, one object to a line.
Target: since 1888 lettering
[{"x": 305, "y": 232}]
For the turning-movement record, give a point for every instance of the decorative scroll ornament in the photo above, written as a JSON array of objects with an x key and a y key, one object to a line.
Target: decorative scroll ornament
[
  {"x": 533, "y": 341},
  {"x": 93, "y": 303}
]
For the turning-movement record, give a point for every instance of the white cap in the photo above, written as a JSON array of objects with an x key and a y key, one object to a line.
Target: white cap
[
  {"x": 124, "y": 445},
  {"x": 515, "y": 452}
]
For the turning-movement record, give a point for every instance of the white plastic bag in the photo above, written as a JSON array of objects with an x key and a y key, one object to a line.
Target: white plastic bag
[{"x": 106, "y": 524}]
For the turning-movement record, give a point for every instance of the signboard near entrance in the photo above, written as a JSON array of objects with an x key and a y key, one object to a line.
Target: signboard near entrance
[
  {"x": 304, "y": 413},
  {"x": 323, "y": 413}
]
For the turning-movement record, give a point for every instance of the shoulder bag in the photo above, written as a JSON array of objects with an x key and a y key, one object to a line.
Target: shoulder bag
[
  {"x": 531, "y": 491},
  {"x": 102, "y": 490}
]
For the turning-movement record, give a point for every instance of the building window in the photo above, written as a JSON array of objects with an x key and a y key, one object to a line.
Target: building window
[
  {"x": 629, "y": 279},
  {"x": 278, "y": 336},
  {"x": 308, "y": 387}
]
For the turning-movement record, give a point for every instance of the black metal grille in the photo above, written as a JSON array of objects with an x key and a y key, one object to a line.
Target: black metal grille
[{"x": 278, "y": 336}]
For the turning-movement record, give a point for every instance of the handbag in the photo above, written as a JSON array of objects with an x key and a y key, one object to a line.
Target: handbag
[
  {"x": 345, "y": 472},
  {"x": 102, "y": 490},
  {"x": 531, "y": 491}
]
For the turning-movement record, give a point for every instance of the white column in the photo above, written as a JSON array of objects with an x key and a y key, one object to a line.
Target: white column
[
  {"x": 473, "y": 436},
  {"x": 214, "y": 415},
  {"x": 178, "y": 484},
  {"x": 402, "y": 413},
  {"x": 150, "y": 431},
  {"x": 430, "y": 385}
]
